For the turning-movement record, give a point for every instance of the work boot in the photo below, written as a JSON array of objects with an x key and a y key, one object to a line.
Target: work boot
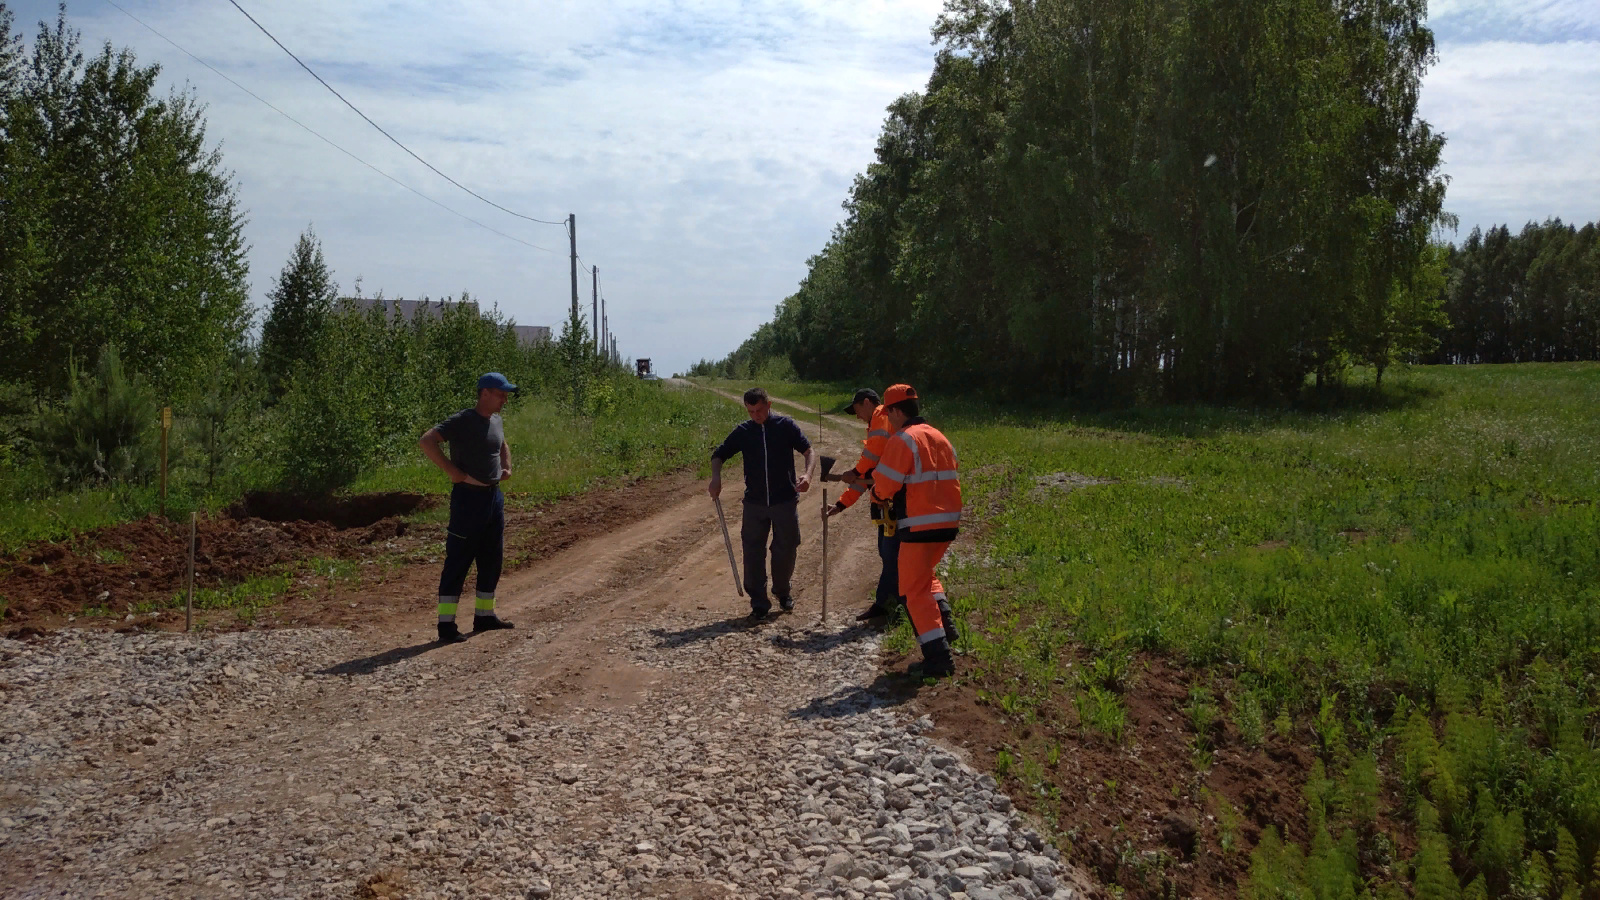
[
  {"x": 875, "y": 611},
  {"x": 490, "y": 622},
  {"x": 758, "y": 613},
  {"x": 450, "y": 634},
  {"x": 786, "y": 604},
  {"x": 936, "y": 661}
]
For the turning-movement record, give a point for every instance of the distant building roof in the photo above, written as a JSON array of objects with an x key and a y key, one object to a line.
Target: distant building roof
[
  {"x": 408, "y": 310},
  {"x": 405, "y": 310},
  {"x": 528, "y": 335}
]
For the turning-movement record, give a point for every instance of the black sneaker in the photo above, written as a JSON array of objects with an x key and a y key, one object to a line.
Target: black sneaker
[
  {"x": 757, "y": 615},
  {"x": 450, "y": 634},
  {"x": 874, "y": 611},
  {"x": 786, "y": 604},
  {"x": 489, "y": 623}
]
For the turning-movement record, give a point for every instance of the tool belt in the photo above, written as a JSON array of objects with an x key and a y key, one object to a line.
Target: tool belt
[{"x": 883, "y": 517}]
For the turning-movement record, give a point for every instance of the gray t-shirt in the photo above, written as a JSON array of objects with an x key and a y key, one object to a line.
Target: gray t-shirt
[{"x": 474, "y": 443}]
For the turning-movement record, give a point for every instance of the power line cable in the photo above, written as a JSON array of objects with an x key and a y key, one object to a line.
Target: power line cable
[
  {"x": 386, "y": 134},
  {"x": 321, "y": 137}
]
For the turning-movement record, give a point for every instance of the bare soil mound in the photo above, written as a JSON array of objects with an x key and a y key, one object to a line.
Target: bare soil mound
[
  {"x": 100, "y": 576},
  {"x": 356, "y": 511}
]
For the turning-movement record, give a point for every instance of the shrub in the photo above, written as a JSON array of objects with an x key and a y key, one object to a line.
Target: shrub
[{"x": 106, "y": 431}]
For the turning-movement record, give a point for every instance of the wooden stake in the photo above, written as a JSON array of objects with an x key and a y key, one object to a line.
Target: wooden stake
[
  {"x": 188, "y": 604},
  {"x": 824, "y": 556}
]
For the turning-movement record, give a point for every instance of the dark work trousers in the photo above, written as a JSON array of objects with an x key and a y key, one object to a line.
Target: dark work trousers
[
  {"x": 476, "y": 534},
  {"x": 888, "y": 593},
  {"x": 783, "y": 521}
]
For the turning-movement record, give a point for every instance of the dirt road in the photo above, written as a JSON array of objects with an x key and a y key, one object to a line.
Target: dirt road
[{"x": 633, "y": 736}]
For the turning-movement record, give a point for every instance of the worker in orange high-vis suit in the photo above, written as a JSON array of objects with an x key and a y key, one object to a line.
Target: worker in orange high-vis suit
[
  {"x": 917, "y": 477},
  {"x": 865, "y": 406}
]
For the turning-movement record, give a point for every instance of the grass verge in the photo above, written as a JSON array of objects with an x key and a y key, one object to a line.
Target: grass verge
[{"x": 1406, "y": 594}]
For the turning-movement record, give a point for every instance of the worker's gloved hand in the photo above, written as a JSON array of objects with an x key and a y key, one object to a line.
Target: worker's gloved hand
[{"x": 834, "y": 510}]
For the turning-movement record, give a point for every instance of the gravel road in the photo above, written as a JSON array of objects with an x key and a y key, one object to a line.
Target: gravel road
[{"x": 633, "y": 737}]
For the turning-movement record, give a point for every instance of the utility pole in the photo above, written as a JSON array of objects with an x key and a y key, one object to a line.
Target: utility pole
[
  {"x": 572, "y": 234},
  {"x": 603, "y": 333},
  {"x": 594, "y": 311},
  {"x": 577, "y": 375}
]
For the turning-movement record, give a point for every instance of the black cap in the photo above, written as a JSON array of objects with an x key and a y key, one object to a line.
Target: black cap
[{"x": 863, "y": 394}]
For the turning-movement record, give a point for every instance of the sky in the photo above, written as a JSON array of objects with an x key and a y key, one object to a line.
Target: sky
[{"x": 704, "y": 146}]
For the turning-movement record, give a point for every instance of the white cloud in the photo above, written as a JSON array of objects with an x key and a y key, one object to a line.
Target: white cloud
[
  {"x": 1537, "y": 21},
  {"x": 704, "y": 146},
  {"x": 1522, "y": 123}
]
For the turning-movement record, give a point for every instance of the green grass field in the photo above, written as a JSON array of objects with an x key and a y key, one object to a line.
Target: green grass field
[
  {"x": 640, "y": 429},
  {"x": 1410, "y": 590},
  {"x": 646, "y": 428},
  {"x": 1414, "y": 586}
]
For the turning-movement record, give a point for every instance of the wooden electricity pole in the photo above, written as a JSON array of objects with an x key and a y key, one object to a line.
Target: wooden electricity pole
[{"x": 572, "y": 234}]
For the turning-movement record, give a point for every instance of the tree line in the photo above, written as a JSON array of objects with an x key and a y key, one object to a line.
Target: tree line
[
  {"x": 124, "y": 287},
  {"x": 1531, "y": 296},
  {"x": 1527, "y": 297},
  {"x": 117, "y": 221},
  {"x": 1175, "y": 199}
]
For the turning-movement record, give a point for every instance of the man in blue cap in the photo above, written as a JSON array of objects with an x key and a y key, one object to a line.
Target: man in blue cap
[{"x": 479, "y": 460}]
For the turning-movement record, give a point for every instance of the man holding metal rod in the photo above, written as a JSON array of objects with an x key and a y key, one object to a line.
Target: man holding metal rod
[
  {"x": 865, "y": 406},
  {"x": 771, "y": 497},
  {"x": 919, "y": 478}
]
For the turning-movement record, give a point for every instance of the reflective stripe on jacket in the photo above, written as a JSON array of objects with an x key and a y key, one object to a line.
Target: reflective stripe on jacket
[
  {"x": 871, "y": 453},
  {"x": 919, "y": 475}
]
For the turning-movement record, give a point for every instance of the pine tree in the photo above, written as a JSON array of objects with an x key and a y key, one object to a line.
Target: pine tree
[
  {"x": 1499, "y": 846},
  {"x": 1536, "y": 875},
  {"x": 1361, "y": 792},
  {"x": 1419, "y": 749},
  {"x": 106, "y": 430},
  {"x": 1434, "y": 879},
  {"x": 301, "y": 299},
  {"x": 1329, "y": 869},
  {"x": 577, "y": 352},
  {"x": 1566, "y": 862}
]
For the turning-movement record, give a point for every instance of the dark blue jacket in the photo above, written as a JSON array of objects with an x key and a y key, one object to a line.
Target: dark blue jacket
[{"x": 769, "y": 450}]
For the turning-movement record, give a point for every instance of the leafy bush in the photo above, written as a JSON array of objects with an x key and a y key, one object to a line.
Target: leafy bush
[
  {"x": 377, "y": 382},
  {"x": 106, "y": 432}
]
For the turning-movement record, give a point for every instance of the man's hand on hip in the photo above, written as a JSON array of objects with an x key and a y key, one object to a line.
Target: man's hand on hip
[{"x": 460, "y": 477}]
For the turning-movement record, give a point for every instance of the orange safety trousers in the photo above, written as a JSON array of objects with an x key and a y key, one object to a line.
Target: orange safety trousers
[{"x": 918, "y": 585}]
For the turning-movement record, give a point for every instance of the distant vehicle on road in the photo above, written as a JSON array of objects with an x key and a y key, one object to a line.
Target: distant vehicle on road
[
  {"x": 652, "y": 377},
  {"x": 642, "y": 366}
]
